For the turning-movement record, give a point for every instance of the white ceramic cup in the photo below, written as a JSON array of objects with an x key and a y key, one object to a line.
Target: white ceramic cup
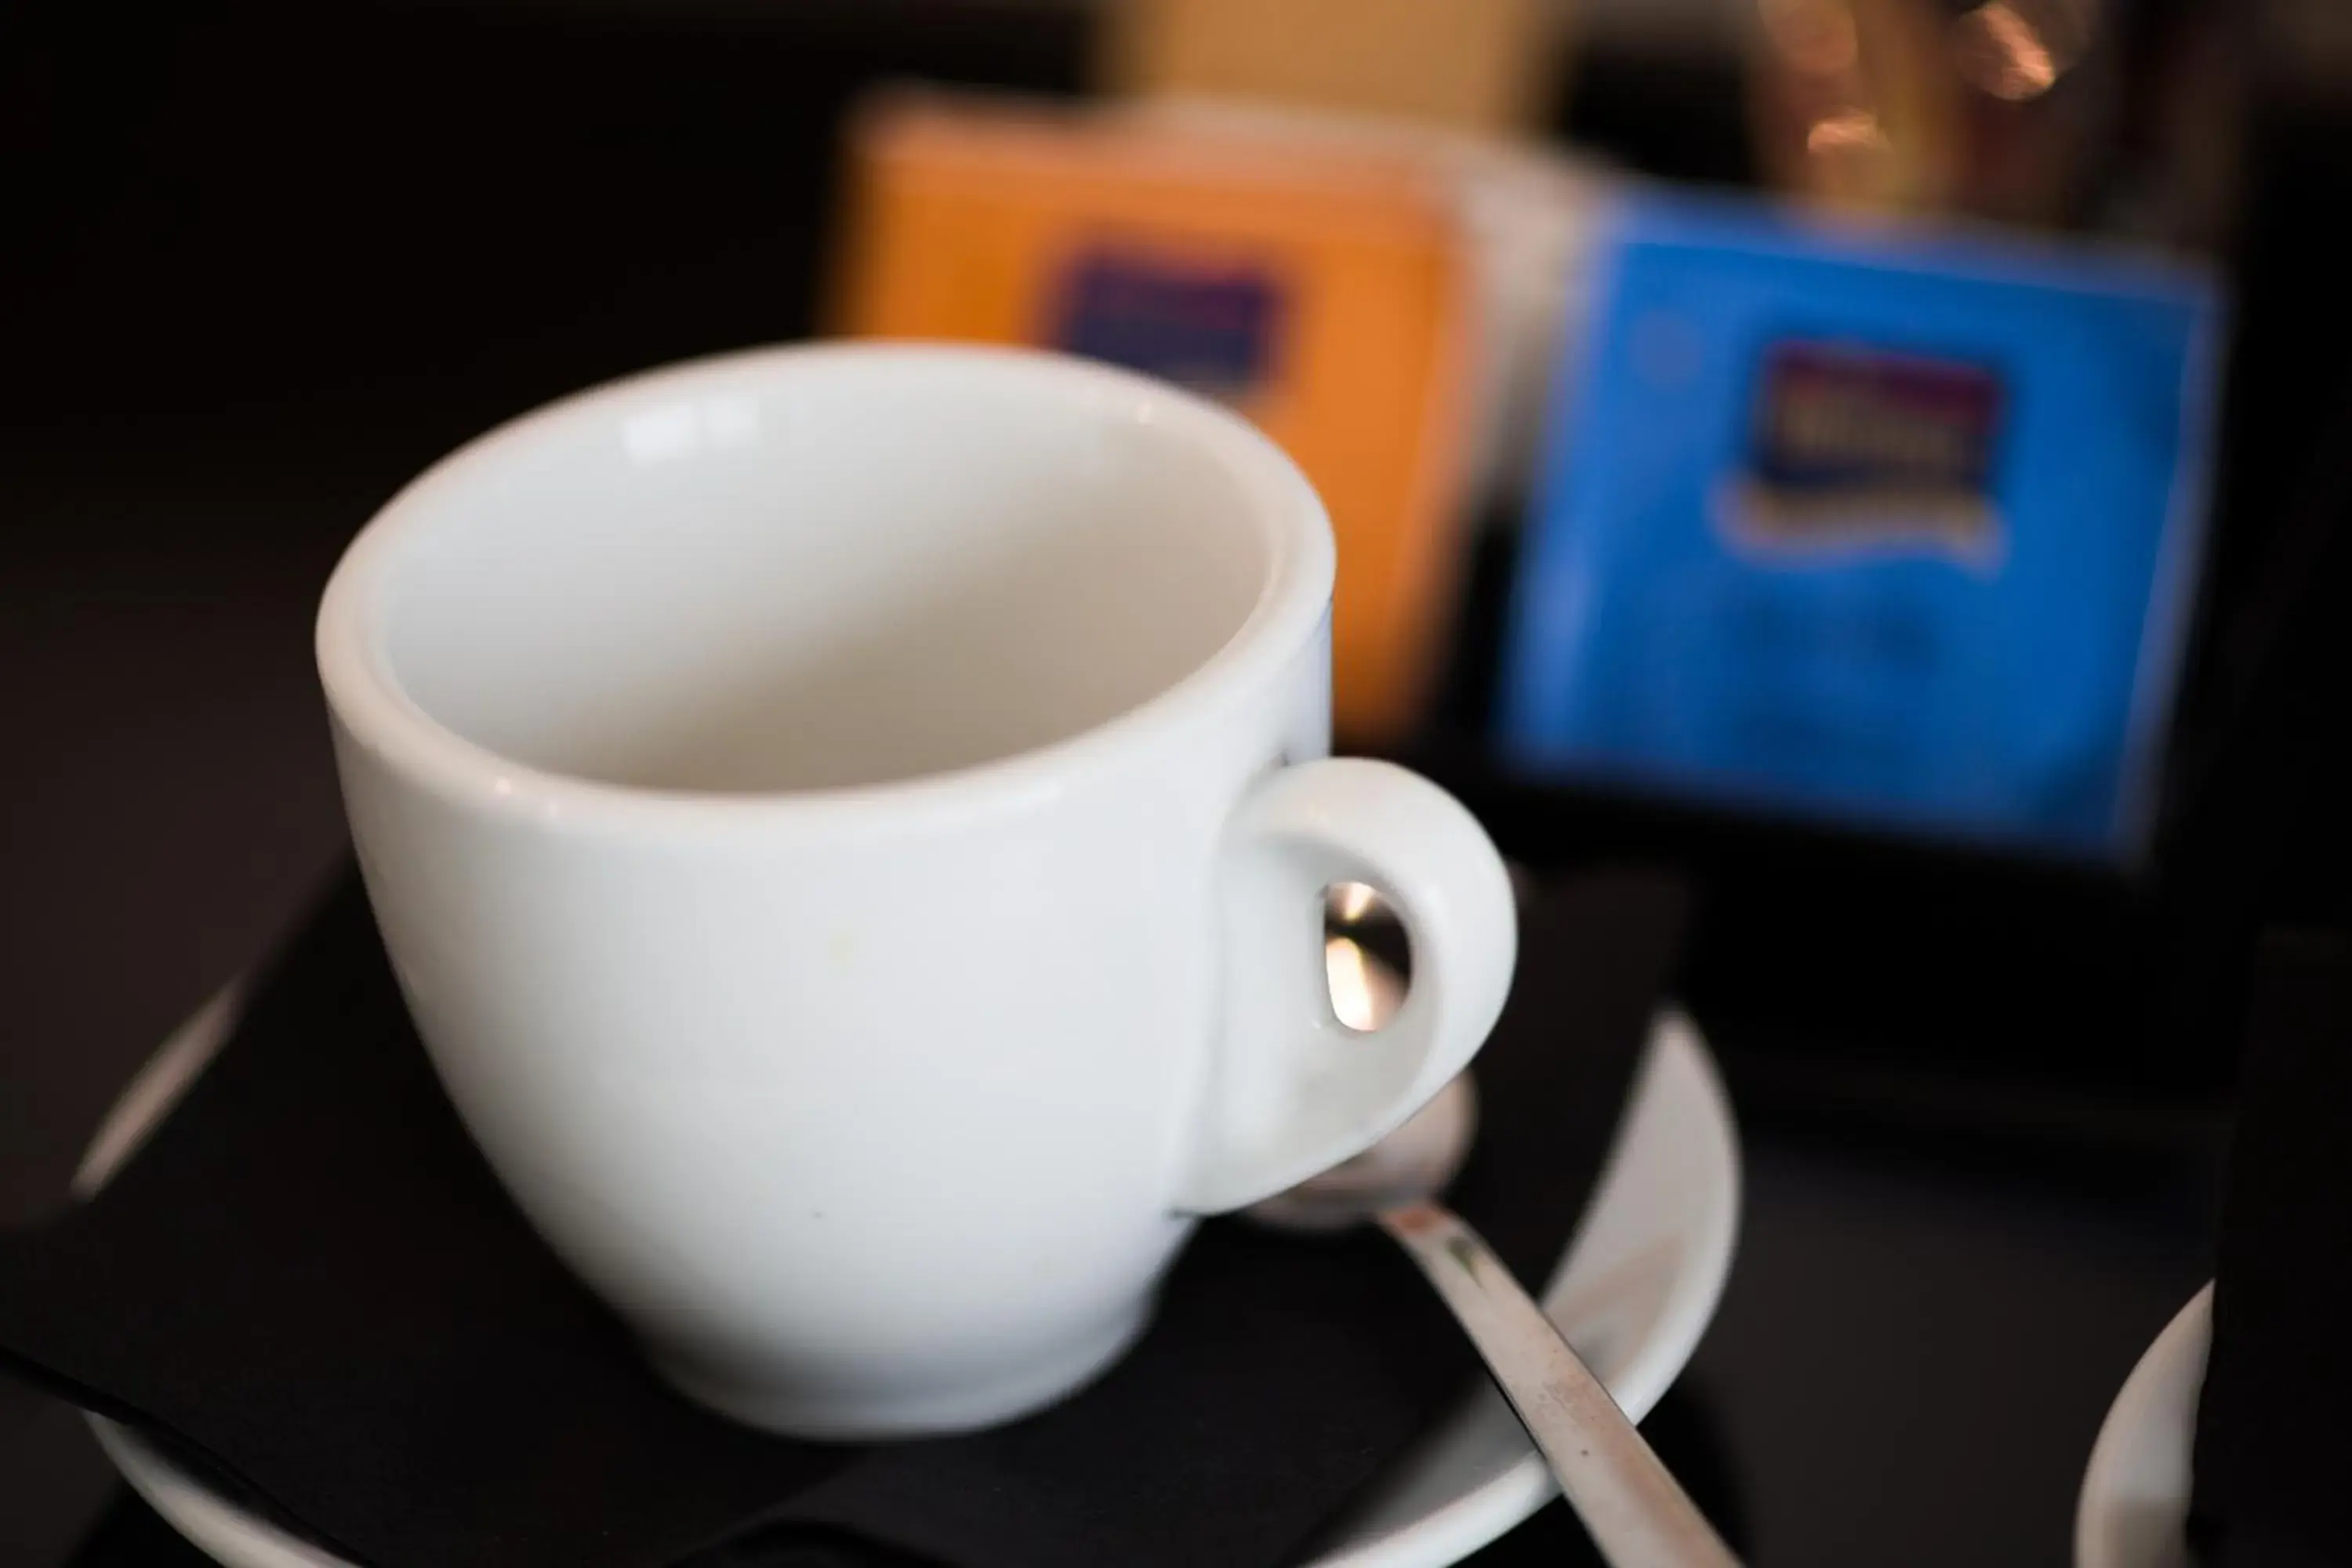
[{"x": 849, "y": 825}]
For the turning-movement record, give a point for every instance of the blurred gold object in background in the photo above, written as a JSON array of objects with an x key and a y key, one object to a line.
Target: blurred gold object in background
[
  {"x": 1857, "y": 103},
  {"x": 2017, "y": 49},
  {"x": 1486, "y": 64},
  {"x": 1906, "y": 106}
]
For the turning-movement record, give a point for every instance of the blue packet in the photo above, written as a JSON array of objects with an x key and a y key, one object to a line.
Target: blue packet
[{"x": 1893, "y": 532}]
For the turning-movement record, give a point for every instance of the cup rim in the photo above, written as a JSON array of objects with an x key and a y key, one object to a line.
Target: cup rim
[{"x": 368, "y": 703}]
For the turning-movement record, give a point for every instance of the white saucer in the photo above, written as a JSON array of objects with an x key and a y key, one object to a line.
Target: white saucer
[
  {"x": 2134, "y": 1510},
  {"x": 1635, "y": 1293}
]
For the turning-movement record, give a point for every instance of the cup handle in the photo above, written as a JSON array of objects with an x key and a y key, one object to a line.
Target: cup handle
[{"x": 1291, "y": 1090}]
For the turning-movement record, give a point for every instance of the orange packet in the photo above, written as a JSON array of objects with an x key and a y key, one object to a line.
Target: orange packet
[{"x": 1324, "y": 293}]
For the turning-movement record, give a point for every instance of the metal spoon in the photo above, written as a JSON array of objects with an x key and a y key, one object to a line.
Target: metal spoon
[{"x": 1634, "y": 1509}]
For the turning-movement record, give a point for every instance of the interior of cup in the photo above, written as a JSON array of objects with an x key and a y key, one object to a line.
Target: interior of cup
[{"x": 819, "y": 570}]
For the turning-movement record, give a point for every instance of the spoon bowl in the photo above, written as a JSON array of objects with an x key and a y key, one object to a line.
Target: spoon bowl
[
  {"x": 1634, "y": 1509},
  {"x": 1418, "y": 1159}
]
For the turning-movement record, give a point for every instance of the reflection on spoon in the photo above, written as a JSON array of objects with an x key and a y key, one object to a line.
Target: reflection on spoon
[{"x": 1635, "y": 1511}]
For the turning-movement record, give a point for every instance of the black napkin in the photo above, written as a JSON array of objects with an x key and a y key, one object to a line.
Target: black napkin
[
  {"x": 2274, "y": 1455},
  {"x": 309, "y": 1287}
]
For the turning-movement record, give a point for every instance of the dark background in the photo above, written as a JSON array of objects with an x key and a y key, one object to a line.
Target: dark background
[{"x": 267, "y": 261}]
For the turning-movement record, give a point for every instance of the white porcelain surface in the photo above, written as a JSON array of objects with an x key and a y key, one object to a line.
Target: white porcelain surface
[
  {"x": 1634, "y": 1292},
  {"x": 2134, "y": 1505},
  {"x": 850, "y": 822}
]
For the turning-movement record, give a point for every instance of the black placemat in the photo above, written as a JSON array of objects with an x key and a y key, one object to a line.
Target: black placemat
[
  {"x": 308, "y": 1285},
  {"x": 2274, "y": 1454},
  {"x": 1684, "y": 1428}
]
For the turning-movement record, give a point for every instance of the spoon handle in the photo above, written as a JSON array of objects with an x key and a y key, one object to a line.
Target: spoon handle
[{"x": 1634, "y": 1508}]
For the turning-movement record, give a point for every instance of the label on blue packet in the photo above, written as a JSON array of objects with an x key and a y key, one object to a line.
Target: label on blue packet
[{"x": 1873, "y": 528}]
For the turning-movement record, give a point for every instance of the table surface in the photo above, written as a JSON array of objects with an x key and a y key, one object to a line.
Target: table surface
[{"x": 1910, "y": 1363}]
